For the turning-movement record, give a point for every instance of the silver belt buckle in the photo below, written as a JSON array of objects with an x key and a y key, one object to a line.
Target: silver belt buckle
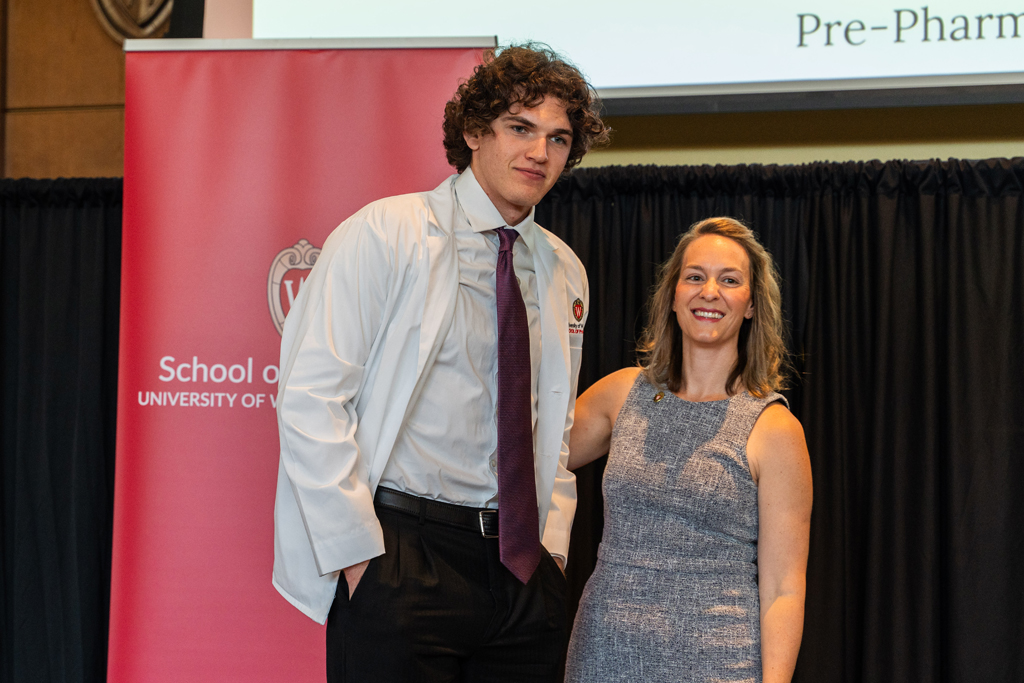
[{"x": 483, "y": 528}]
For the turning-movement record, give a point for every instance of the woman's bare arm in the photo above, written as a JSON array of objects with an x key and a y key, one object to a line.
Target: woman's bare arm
[
  {"x": 596, "y": 411},
  {"x": 781, "y": 466}
]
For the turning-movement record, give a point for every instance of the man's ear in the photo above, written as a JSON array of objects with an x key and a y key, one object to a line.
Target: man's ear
[{"x": 472, "y": 140}]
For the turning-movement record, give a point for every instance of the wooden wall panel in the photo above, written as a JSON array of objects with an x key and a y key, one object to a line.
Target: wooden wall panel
[
  {"x": 58, "y": 55},
  {"x": 800, "y": 137},
  {"x": 3, "y": 75},
  {"x": 808, "y": 128},
  {"x": 74, "y": 143}
]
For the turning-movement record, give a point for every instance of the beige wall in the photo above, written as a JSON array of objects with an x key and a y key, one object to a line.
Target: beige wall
[
  {"x": 227, "y": 19},
  {"x": 63, "y": 114},
  {"x": 966, "y": 132}
]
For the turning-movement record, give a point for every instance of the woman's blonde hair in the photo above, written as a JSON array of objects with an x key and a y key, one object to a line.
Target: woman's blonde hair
[{"x": 762, "y": 361}]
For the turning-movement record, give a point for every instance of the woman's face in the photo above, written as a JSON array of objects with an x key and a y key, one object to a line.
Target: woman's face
[{"x": 713, "y": 294}]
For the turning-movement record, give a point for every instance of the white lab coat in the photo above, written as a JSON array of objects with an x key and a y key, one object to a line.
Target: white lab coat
[{"x": 368, "y": 322}]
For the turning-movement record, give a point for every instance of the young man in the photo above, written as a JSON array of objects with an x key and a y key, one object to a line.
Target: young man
[{"x": 428, "y": 377}]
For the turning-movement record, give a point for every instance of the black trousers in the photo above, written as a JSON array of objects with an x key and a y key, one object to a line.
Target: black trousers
[{"x": 440, "y": 606}]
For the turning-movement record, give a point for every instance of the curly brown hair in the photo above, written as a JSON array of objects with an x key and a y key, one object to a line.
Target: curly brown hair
[
  {"x": 523, "y": 75},
  {"x": 763, "y": 362}
]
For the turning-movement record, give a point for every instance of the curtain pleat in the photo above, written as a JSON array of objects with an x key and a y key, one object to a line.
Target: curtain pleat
[{"x": 60, "y": 244}]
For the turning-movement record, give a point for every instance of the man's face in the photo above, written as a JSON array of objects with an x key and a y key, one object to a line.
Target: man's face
[{"x": 518, "y": 162}]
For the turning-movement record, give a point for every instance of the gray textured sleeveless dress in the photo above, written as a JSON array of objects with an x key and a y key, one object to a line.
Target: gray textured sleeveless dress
[{"x": 674, "y": 594}]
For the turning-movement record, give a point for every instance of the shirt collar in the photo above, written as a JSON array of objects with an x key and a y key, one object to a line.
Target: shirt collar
[{"x": 481, "y": 213}]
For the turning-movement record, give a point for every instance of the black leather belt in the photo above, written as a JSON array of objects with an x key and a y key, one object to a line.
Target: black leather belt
[{"x": 482, "y": 521}]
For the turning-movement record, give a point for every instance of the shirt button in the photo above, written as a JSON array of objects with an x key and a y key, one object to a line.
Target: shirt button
[{"x": 493, "y": 464}]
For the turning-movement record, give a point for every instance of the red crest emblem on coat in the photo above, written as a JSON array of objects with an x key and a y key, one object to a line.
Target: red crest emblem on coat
[
  {"x": 577, "y": 309},
  {"x": 288, "y": 272}
]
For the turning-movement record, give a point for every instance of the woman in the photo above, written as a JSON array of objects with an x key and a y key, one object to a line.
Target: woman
[{"x": 701, "y": 570}]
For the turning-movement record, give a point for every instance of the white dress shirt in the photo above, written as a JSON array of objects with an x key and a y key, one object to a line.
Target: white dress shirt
[
  {"x": 447, "y": 447},
  {"x": 362, "y": 336}
]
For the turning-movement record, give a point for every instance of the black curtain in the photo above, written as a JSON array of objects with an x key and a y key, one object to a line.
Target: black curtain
[
  {"x": 187, "y": 19},
  {"x": 60, "y": 251},
  {"x": 903, "y": 284}
]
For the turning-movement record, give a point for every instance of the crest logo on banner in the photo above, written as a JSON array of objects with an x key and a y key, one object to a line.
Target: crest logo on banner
[
  {"x": 577, "y": 309},
  {"x": 288, "y": 271},
  {"x": 123, "y": 19}
]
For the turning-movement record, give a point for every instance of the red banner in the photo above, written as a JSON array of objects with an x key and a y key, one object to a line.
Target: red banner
[{"x": 237, "y": 166}]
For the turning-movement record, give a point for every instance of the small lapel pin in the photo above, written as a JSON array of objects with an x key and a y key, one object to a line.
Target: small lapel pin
[{"x": 658, "y": 396}]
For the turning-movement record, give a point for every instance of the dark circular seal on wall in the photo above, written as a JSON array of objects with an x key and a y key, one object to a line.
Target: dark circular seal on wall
[{"x": 123, "y": 19}]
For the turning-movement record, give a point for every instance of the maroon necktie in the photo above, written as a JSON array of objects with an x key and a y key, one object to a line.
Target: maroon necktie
[{"x": 518, "y": 525}]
